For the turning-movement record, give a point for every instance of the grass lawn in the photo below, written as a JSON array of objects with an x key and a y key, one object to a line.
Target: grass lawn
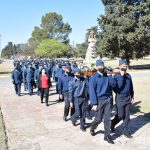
[
  {"x": 3, "y": 138},
  {"x": 142, "y": 96}
]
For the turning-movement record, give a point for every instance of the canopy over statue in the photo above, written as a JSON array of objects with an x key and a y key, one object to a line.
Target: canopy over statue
[{"x": 91, "y": 53}]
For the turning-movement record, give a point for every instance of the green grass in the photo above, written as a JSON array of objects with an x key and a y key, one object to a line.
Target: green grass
[{"x": 3, "y": 138}]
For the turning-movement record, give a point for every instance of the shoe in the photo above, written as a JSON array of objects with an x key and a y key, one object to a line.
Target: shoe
[
  {"x": 83, "y": 129},
  {"x": 42, "y": 101},
  {"x": 92, "y": 131},
  {"x": 30, "y": 94},
  {"x": 65, "y": 118},
  {"x": 128, "y": 135},
  {"x": 47, "y": 104},
  {"x": 109, "y": 139},
  {"x": 73, "y": 123}
]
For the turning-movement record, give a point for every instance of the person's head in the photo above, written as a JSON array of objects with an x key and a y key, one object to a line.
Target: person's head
[
  {"x": 77, "y": 72},
  {"x": 59, "y": 65},
  {"x": 123, "y": 65},
  {"x": 100, "y": 65},
  {"x": 68, "y": 68},
  {"x": 30, "y": 66},
  {"x": 43, "y": 71}
]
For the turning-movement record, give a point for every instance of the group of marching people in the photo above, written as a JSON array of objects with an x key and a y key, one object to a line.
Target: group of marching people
[{"x": 84, "y": 97}]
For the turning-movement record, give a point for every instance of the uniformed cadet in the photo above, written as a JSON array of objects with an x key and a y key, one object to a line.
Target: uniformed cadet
[
  {"x": 63, "y": 88},
  {"x": 77, "y": 99},
  {"x": 57, "y": 72},
  {"x": 36, "y": 76},
  {"x": 24, "y": 75},
  {"x": 100, "y": 90},
  {"x": 30, "y": 79},
  {"x": 89, "y": 112},
  {"x": 124, "y": 98},
  {"x": 17, "y": 79}
]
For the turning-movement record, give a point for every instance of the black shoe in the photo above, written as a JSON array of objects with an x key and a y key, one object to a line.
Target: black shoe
[
  {"x": 19, "y": 95},
  {"x": 83, "y": 129},
  {"x": 92, "y": 131},
  {"x": 30, "y": 94},
  {"x": 109, "y": 139},
  {"x": 47, "y": 104},
  {"x": 65, "y": 118},
  {"x": 128, "y": 135},
  {"x": 73, "y": 123}
]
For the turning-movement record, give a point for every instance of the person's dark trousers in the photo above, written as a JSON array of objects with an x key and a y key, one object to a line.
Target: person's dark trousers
[
  {"x": 38, "y": 89},
  {"x": 25, "y": 85},
  {"x": 17, "y": 88},
  {"x": 67, "y": 105},
  {"x": 44, "y": 91},
  {"x": 34, "y": 84},
  {"x": 104, "y": 111},
  {"x": 56, "y": 81},
  {"x": 88, "y": 111},
  {"x": 30, "y": 87},
  {"x": 80, "y": 111},
  {"x": 123, "y": 113}
]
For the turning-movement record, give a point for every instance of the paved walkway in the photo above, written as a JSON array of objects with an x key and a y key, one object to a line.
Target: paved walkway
[{"x": 33, "y": 126}]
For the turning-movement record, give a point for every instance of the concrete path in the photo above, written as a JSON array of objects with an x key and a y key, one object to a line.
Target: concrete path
[{"x": 31, "y": 125}]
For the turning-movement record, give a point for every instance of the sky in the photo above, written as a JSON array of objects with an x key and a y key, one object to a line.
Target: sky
[{"x": 18, "y": 17}]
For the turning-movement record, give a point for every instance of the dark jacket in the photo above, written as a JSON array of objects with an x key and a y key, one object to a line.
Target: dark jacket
[
  {"x": 16, "y": 76},
  {"x": 100, "y": 87}
]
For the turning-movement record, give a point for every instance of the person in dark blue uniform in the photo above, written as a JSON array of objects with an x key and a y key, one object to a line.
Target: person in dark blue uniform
[
  {"x": 36, "y": 77},
  {"x": 16, "y": 80},
  {"x": 124, "y": 98},
  {"x": 77, "y": 99},
  {"x": 30, "y": 79},
  {"x": 63, "y": 88},
  {"x": 24, "y": 74},
  {"x": 57, "y": 73},
  {"x": 100, "y": 90}
]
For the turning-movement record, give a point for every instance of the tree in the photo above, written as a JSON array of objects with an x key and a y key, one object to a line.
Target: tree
[
  {"x": 80, "y": 50},
  {"x": 125, "y": 29},
  {"x": 51, "y": 48},
  {"x": 8, "y": 50},
  {"x": 52, "y": 27}
]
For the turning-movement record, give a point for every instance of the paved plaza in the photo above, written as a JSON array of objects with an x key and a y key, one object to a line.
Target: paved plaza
[{"x": 31, "y": 125}]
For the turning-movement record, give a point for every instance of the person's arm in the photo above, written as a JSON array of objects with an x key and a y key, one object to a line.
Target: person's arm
[
  {"x": 35, "y": 75},
  {"x": 112, "y": 82},
  {"x": 92, "y": 91},
  {"x": 12, "y": 77},
  {"x": 71, "y": 90},
  {"x": 131, "y": 88}
]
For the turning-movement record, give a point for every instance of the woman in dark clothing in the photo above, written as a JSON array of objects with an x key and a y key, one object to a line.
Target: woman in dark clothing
[{"x": 44, "y": 85}]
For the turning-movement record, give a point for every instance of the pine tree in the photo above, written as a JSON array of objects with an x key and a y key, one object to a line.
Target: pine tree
[{"x": 125, "y": 29}]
